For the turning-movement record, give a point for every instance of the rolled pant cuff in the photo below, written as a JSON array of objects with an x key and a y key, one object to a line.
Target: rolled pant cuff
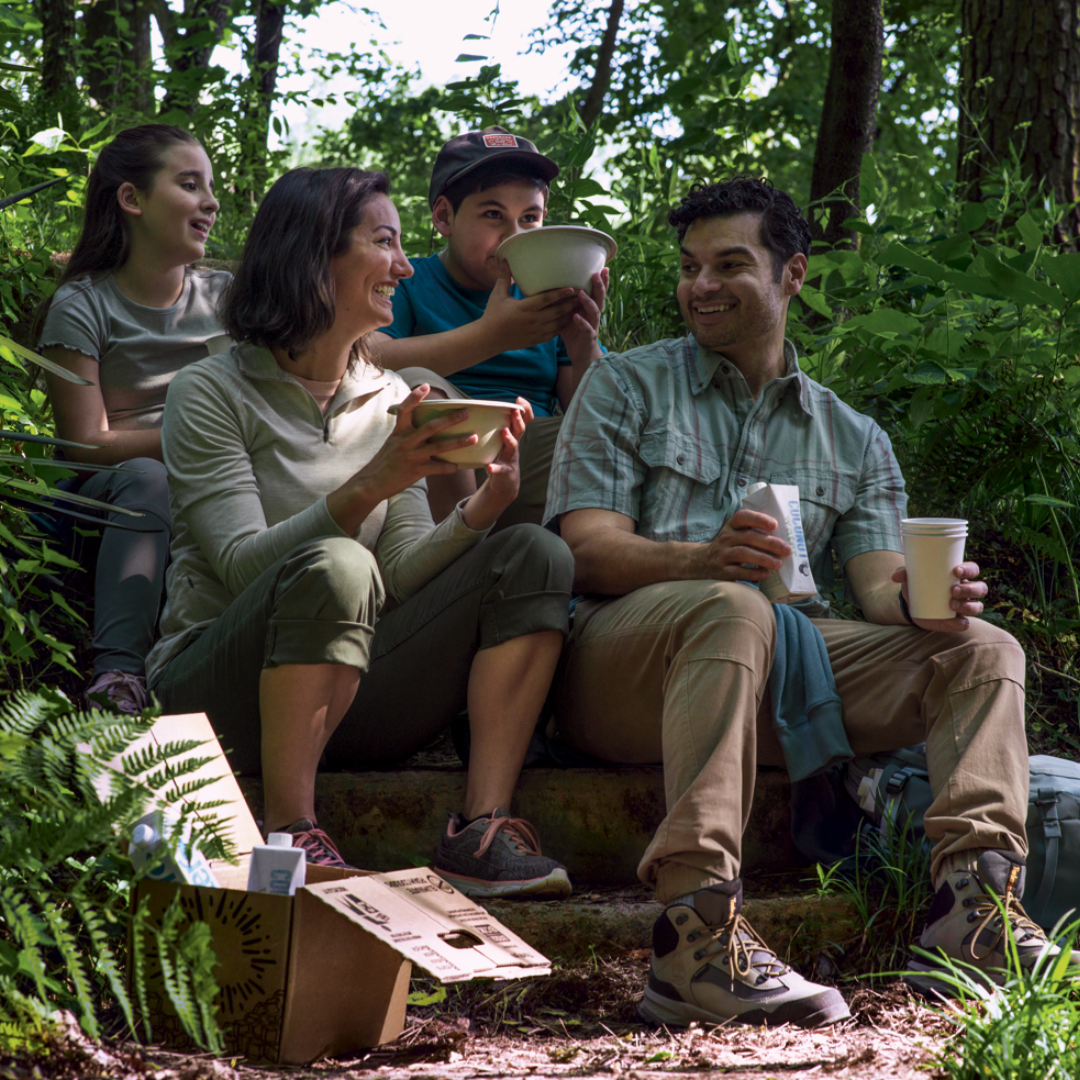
[
  {"x": 673, "y": 882},
  {"x": 316, "y": 641},
  {"x": 526, "y": 613}
]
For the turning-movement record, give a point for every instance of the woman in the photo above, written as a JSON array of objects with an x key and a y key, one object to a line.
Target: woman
[
  {"x": 301, "y": 518},
  {"x": 129, "y": 313}
]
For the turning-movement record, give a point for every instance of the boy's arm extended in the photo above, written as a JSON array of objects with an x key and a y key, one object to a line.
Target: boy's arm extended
[
  {"x": 581, "y": 339},
  {"x": 507, "y": 324}
]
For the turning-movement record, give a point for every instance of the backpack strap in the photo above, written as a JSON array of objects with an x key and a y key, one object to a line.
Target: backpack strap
[{"x": 1047, "y": 801}]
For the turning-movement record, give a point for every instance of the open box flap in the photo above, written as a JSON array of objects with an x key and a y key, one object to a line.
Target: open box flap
[
  {"x": 234, "y": 816},
  {"x": 427, "y": 921}
]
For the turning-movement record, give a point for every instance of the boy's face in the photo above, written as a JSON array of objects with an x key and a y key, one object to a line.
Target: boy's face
[{"x": 482, "y": 222}]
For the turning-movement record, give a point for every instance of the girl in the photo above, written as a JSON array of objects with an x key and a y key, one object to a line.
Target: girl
[
  {"x": 129, "y": 313},
  {"x": 301, "y": 518}
]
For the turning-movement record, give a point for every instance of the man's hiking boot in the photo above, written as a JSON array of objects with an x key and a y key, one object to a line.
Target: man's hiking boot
[
  {"x": 319, "y": 849},
  {"x": 118, "y": 691},
  {"x": 708, "y": 965},
  {"x": 966, "y": 927},
  {"x": 498, "y": 856}
]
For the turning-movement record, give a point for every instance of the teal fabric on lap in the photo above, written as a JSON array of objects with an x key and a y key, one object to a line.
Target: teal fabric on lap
[{"x": 807, "y": 716}]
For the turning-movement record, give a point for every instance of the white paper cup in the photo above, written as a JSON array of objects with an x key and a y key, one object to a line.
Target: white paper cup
[{"x": 933, "y": 548}]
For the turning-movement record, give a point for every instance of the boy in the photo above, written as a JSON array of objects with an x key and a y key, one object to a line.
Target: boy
[{"x": 460, "y": 317}]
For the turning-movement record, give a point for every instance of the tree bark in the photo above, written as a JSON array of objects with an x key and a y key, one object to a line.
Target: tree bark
[
  {"x": 593, "y": 105},
  {"x": 198, "y": 16},
  {"x": 1020, "y": 94},
  {"x": 269, "y": 30},
  {"x": 848, "y": 117},
  {"x": 118, "y": 43},
  {"x": 57, "y": 53}
]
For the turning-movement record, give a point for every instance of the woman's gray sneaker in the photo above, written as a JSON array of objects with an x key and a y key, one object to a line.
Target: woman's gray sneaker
[
  {"x": 708, "y": 965},
  {"x": 498, "y": 856},
  {"x": 965, "y": 928}
]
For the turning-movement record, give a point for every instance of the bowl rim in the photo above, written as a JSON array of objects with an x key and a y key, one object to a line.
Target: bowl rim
[
  {"x": 609, "y": 242},
  {"x": 465, "y": 403}
]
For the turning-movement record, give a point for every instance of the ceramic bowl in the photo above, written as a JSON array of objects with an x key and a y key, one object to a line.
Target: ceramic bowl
[
  {"x": 486, "y": 420},
  {"x": 556, "y": 257}
]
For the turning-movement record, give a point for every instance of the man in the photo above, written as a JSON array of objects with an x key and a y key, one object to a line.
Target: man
[{"x": 672, "y": 649}]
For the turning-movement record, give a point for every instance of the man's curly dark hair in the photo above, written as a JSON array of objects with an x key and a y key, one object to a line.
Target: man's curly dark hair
[{"x": 784, "y": 231}]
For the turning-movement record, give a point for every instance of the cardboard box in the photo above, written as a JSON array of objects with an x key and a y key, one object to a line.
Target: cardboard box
[{"x": 325, "y": 971}]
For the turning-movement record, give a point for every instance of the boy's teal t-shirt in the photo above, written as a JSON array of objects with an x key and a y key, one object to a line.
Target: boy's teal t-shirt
[{"x": 432, "y": 302}]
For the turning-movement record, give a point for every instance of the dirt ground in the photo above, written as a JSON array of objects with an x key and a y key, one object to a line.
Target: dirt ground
[{"x": 891, "y": 1036}]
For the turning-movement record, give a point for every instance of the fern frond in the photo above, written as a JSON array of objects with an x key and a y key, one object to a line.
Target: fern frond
[
  {"x": 74, "y": 966},
  {"x": 24, "y": 927},
  {"x": 106, "y": 958}
]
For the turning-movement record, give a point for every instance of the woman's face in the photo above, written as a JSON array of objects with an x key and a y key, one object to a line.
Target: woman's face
[
  {"x": 366, "y": 274},
  {"x": 175, "y": 216}
]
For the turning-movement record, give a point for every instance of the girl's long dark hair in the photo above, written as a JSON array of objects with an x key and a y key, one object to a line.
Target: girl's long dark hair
[
  {"x": 283, "y": 292},
  {"x": 134, "y": 156}
]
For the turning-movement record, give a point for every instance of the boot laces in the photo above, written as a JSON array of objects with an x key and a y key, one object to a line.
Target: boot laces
[
  {"x": 1022, "y": 926},
  {"x": 519, "y": 831},
  {"x": 744, "y": 950}
]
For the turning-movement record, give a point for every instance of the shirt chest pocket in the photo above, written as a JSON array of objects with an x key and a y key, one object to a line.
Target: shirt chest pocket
[
  {"x": 682, "y": 489},
  {"x": 823, "y": 496}
]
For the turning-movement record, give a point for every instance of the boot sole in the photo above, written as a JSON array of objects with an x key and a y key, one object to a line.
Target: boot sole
[
  {"x": 555, "y": 885},
  {"x": 654, "y": 1009}
]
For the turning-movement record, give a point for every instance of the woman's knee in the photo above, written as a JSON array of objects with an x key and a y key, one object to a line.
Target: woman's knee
[
  {"x": 338, "y": 577},
  {"x": 532, "y": 559}
]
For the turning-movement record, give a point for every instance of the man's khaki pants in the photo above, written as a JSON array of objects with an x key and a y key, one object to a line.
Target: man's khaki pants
[{"x": 678, "y": 672}]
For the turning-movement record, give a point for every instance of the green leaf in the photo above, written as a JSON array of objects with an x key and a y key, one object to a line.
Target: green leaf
[
  {"x": 48, "y": 365},
  {"x": 973, "y": 216},
  {"x": 952, "y": 248},
  {"x": 5, "y": 66},
  {"x": 1017, "y": 287},
  {"x": 467, "y": 58},
  {"x": 815, "y": 301},
  {"x": 1049, "y": 500},
  {"x": 898, "y": 255},
  {"x": 420, "y": 998},
  {"x": 1064, "y": 272},
  {"x": 886, "y": 321},
  {"x": 660, "y": 1055},
  {"x": 1031, "y": 233}
]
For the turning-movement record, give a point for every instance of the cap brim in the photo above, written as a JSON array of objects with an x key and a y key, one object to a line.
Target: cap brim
[{"x": 543, "y": 166}]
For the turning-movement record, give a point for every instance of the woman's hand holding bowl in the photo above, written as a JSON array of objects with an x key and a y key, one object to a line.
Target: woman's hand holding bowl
[
  {"x": 504, "y": 474},
  {"x": 405, "y": 457}
]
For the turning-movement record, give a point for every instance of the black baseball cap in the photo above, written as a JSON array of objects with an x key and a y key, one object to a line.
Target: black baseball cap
[{"x": 461, "y": 155}]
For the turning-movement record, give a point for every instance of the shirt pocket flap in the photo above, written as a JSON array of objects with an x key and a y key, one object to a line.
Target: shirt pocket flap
[
  {"x": 667, "y": 449},
  {"x": 835, "y": 490}
]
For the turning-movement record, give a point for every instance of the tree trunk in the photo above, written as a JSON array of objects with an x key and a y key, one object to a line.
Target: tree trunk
[
  {"x": 1020, "y": 93},
  {"x": 269, "y": 29},
  {"x": 593, "y": 105},
  {"x": 118, "y": 43},
  {"x": 848, "y": 118},
  {"x": 57, "y": 54},
  {"x": 186, "y": 63}
]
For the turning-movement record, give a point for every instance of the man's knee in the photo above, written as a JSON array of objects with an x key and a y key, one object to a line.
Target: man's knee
[
  {"x": 988, "y": 649},
  {"x": 738, "y": 612},
  {"x": 531, "y": 559},
  {"x": 339, "y": 577}
]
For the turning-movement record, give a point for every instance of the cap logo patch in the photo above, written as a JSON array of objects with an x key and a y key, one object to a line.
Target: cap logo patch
[{"x": 494, "y": 141}]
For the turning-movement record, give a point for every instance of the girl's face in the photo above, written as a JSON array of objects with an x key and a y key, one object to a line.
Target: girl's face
[
  {"x": 366, "y": 274},
  {"x": 173, "y": 219}
]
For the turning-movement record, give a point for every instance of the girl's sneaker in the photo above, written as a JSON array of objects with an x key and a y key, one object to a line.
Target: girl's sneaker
[
  {"x": 319, "y": 849},
  {"x": 118, "y": 691}
]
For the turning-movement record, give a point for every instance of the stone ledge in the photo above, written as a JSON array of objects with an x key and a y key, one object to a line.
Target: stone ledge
[{"x": 597, "y": 822}]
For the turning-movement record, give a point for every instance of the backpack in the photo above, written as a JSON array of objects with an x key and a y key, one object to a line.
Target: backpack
[{"x": 892, "y": 789}]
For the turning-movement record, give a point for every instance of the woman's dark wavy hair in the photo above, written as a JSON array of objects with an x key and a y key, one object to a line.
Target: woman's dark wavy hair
[
  {"x": 134, "y": 156},
  {"x": 784, "y": 231},
  {"x": 283, "y": 292}
]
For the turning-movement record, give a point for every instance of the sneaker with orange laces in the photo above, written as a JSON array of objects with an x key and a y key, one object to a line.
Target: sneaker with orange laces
[
  {"x": 118, "y": 691},
  {"x": 498, "y": 856},
  {"x": 319, "y": 849}
]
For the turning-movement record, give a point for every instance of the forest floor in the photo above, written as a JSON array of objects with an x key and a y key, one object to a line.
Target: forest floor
[{"x": 476, "y": 1032}]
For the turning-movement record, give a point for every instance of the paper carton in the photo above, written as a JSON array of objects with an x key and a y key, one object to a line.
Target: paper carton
[
  {"x": 793, "y": 581},
  {"x": 325, "y": 971}
]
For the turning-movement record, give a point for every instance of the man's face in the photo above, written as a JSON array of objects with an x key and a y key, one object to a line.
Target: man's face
[
  {"x": 728, "y": 290},
  {"x": 482, "y": 222}
]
